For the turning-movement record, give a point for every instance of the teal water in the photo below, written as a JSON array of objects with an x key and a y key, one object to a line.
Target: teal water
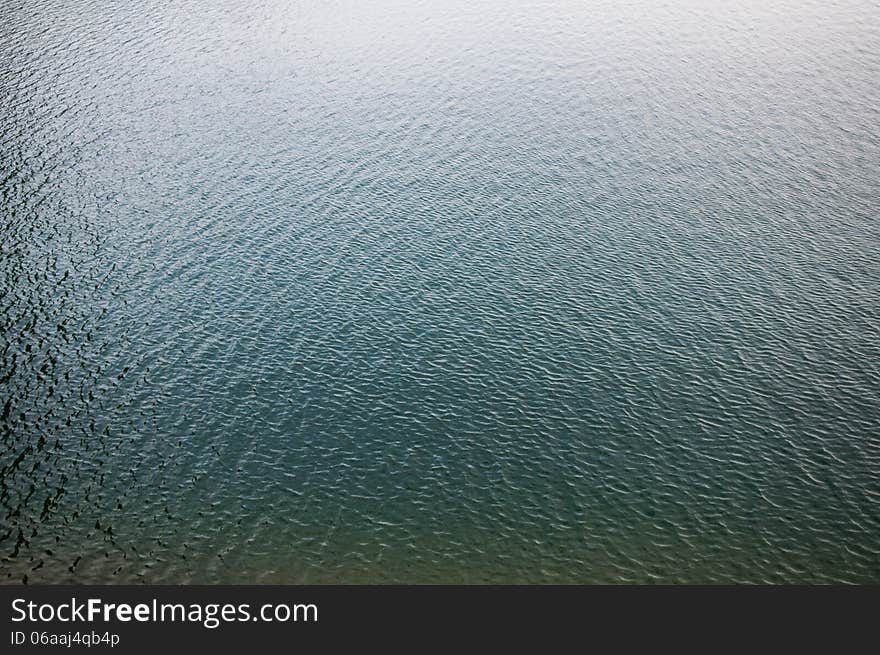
[{"x": 440, "y": 291}]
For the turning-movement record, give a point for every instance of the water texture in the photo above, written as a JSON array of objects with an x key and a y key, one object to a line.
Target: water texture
[{"x": 306, "y": 292}]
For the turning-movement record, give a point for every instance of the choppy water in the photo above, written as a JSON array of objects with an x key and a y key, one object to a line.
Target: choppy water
[{"x": 440, "y": 291}]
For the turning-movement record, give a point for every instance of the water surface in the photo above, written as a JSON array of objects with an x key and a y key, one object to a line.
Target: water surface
[{"x": 440, "y": 291}]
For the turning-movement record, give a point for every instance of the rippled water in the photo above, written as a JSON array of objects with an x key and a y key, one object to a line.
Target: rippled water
[{"x": 440, "y": 291}]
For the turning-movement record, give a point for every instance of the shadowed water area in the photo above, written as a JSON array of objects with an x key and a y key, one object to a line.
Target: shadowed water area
[{"x": 310, "y": 292}]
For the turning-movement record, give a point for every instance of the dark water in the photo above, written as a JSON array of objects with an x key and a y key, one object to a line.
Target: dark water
[{"x": 440, "y": 291}]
